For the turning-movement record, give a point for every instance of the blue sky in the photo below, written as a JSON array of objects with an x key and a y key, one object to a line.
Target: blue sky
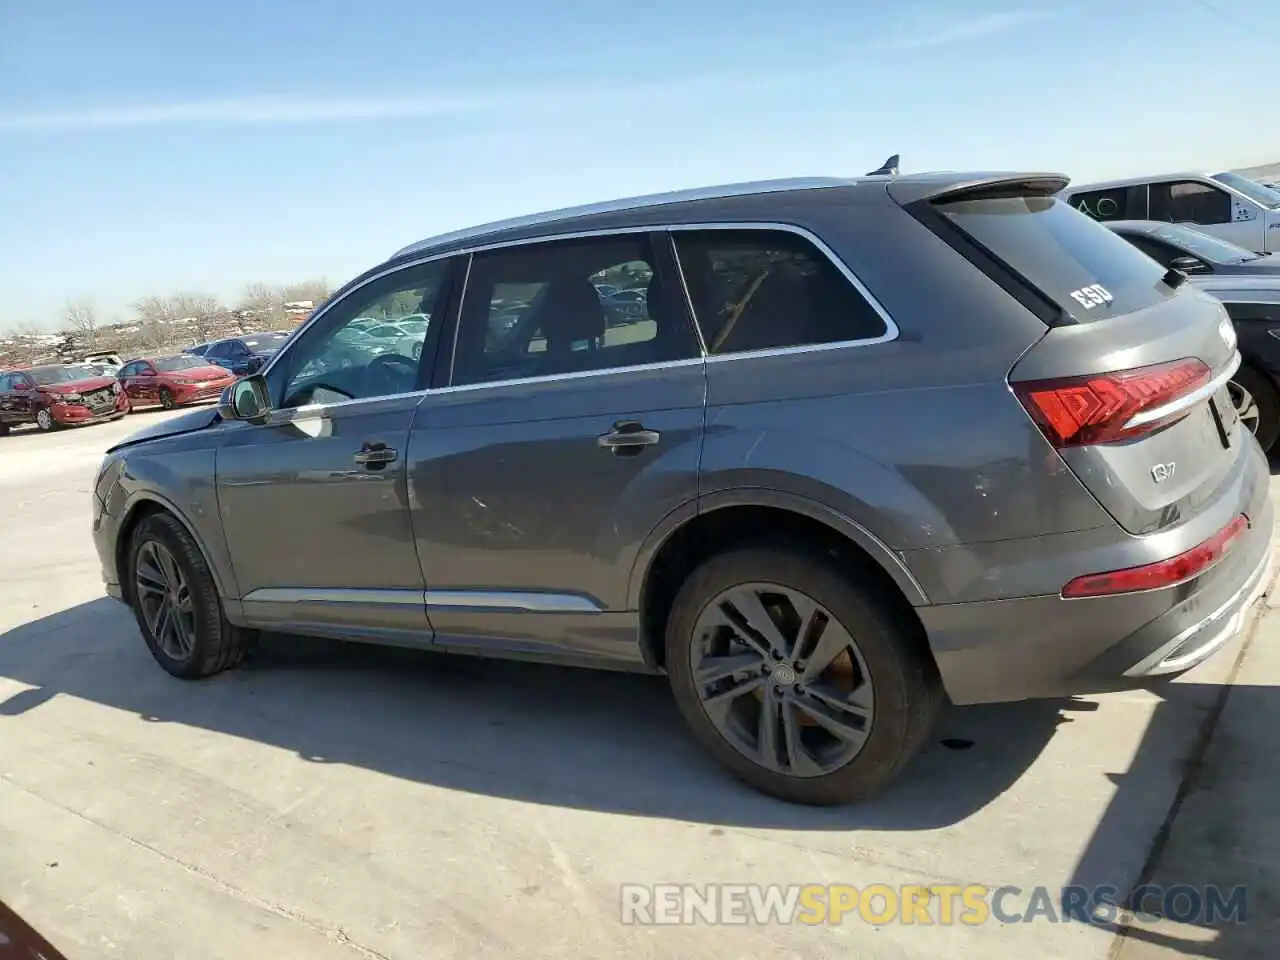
[{"x": 150, "y": 147}]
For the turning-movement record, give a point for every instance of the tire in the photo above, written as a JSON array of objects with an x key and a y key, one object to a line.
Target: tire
[
  {"x": 166, "y": 399},
  {"x": 4, "y": 429},
  {"x": 891, "y": 656},
  {"x": 1249, "y": 382},
  {"x": 215, "y": 643},
  {"x": 45, "y": 421}
]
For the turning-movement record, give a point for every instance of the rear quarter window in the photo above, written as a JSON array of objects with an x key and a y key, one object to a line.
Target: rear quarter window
[{"x": 1072, "y": 261}]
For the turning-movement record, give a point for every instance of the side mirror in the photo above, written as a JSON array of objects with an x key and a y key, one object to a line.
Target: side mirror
[
  {"x": 246, "y": 399},
  {"x": 1187, "y": 265}
]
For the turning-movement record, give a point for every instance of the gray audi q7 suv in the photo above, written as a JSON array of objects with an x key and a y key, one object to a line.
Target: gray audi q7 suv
[{"x": 866, "y": 445}]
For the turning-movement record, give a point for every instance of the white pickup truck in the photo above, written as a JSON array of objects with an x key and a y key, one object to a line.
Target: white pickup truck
[{"x": 1226, "y": 205}]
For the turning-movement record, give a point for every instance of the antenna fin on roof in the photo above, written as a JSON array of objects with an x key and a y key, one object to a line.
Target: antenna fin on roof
[{"x": 889, "y": 169}]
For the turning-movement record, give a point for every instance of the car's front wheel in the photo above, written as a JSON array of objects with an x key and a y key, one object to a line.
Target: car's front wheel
[
  {"x": 166, "y": 398},
  {"x": 44, "y": 419},
  {"x": 802, "y": 683},
  {"x": 175, "y": 601}
]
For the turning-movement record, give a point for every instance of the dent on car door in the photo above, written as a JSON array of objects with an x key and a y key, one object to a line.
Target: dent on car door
[
  {"x": 568, "y": 433},
  {"x": 314, "y": 501}
]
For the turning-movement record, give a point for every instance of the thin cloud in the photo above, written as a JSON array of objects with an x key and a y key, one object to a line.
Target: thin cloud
[
  {"x": 278, "y": 110},
  {"x": 974, "y": 28}
]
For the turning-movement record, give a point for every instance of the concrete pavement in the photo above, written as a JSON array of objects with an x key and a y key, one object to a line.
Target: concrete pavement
[{"x": 340, "y": 801}]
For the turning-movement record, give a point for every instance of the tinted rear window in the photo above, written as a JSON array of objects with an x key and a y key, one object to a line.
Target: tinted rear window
[{"x": 1072, "y": 260}]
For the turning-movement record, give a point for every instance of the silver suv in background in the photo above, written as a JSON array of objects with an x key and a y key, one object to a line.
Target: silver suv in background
[
  {"x": 865, "y": 445},
  {"x": 1226, "y": 205}
]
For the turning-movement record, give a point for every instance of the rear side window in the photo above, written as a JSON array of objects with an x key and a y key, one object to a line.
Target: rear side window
[
  {"x": 1074, "y": 262},
  {"x": 1116, "y": 203},
  {"x": 770, "y": 289}
]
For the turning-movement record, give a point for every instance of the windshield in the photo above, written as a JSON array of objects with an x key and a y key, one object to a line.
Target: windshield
[
  {"x": 1204, "y": 246},
  {"x": 45, "y": 376},
  {"x": 171, "y": 364},
  {"x": 265, "y": 343},
  {"x": 1252, "y": 189}
]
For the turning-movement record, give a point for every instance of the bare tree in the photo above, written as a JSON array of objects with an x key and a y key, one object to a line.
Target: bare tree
[
  {"x": 263, "y": 302},
  {"x": 155, "y": 315},
  {"x": 80, "y": 319},
  {"x": 317, "y": 291},
  {"x": 202, "y": 310}
]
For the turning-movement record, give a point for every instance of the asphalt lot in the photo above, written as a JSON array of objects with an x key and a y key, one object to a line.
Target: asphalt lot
[{"x": 333, "y": 801}]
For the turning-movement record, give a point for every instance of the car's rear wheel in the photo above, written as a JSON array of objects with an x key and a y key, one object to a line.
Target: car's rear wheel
[
  {"x": 801, "y": 683},
  {"x": 1257, "y": 403},
  {"x": 175, "y": 601},
  {"x": 166, "y": 398},
  {"x": 4, "y": 429},
  {"x": 44, "y": 419}
]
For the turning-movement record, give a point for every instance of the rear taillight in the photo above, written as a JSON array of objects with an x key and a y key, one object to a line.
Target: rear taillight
[
  {"x": 1104, "y": 407},
  {"x": 1164, "y": 573}
]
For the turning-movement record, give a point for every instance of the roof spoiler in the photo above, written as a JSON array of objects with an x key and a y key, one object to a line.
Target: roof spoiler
[
  {"x": 887, "y": 169},
  {"x": 987, "y": 186}
]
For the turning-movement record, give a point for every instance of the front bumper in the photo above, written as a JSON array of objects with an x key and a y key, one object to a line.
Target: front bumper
[
  {"x": 196, "y": 393},
  {"x": 79, "y": 414}
]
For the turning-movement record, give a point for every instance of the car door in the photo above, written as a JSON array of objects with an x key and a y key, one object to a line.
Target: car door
[
  {"x": 133, "y": 382},
  {"x": 148, "y": 381},
  {"x": 557, "y": 445},
  {"x": 314, "y": 501},
  {"x": 125, "y": 379}
]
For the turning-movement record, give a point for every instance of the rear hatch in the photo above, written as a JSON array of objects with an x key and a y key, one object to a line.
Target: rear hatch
[{"x": 1129, "y": 382}]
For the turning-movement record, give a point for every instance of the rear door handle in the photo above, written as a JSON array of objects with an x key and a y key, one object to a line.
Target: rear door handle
[
  {"x": 628, "y": 438},
  {"x": 376, "y": 455}
]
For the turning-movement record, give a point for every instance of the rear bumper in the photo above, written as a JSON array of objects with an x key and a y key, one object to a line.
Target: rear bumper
[{"x": 1045, "y": 646}]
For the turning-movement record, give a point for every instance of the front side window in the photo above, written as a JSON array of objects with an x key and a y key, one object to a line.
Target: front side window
[
  {"x": 770, "y": 289},
  {"x": 337, "y": 359},
  {"x": 537, "y": 310},
  {"x": 1190, "y": 201}
]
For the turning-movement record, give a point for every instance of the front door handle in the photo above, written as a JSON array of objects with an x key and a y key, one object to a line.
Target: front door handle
[
  {"x": 375, "y": 456},
  {"x": 628, "y": 438}
]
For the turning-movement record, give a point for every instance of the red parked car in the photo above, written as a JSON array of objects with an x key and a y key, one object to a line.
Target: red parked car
[
  {"x": 58, "y": 396},
  {"x": 173, "y": 381}
]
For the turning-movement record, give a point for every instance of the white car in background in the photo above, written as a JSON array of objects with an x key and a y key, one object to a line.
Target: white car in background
[{"x": 1226, "y": 205}]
